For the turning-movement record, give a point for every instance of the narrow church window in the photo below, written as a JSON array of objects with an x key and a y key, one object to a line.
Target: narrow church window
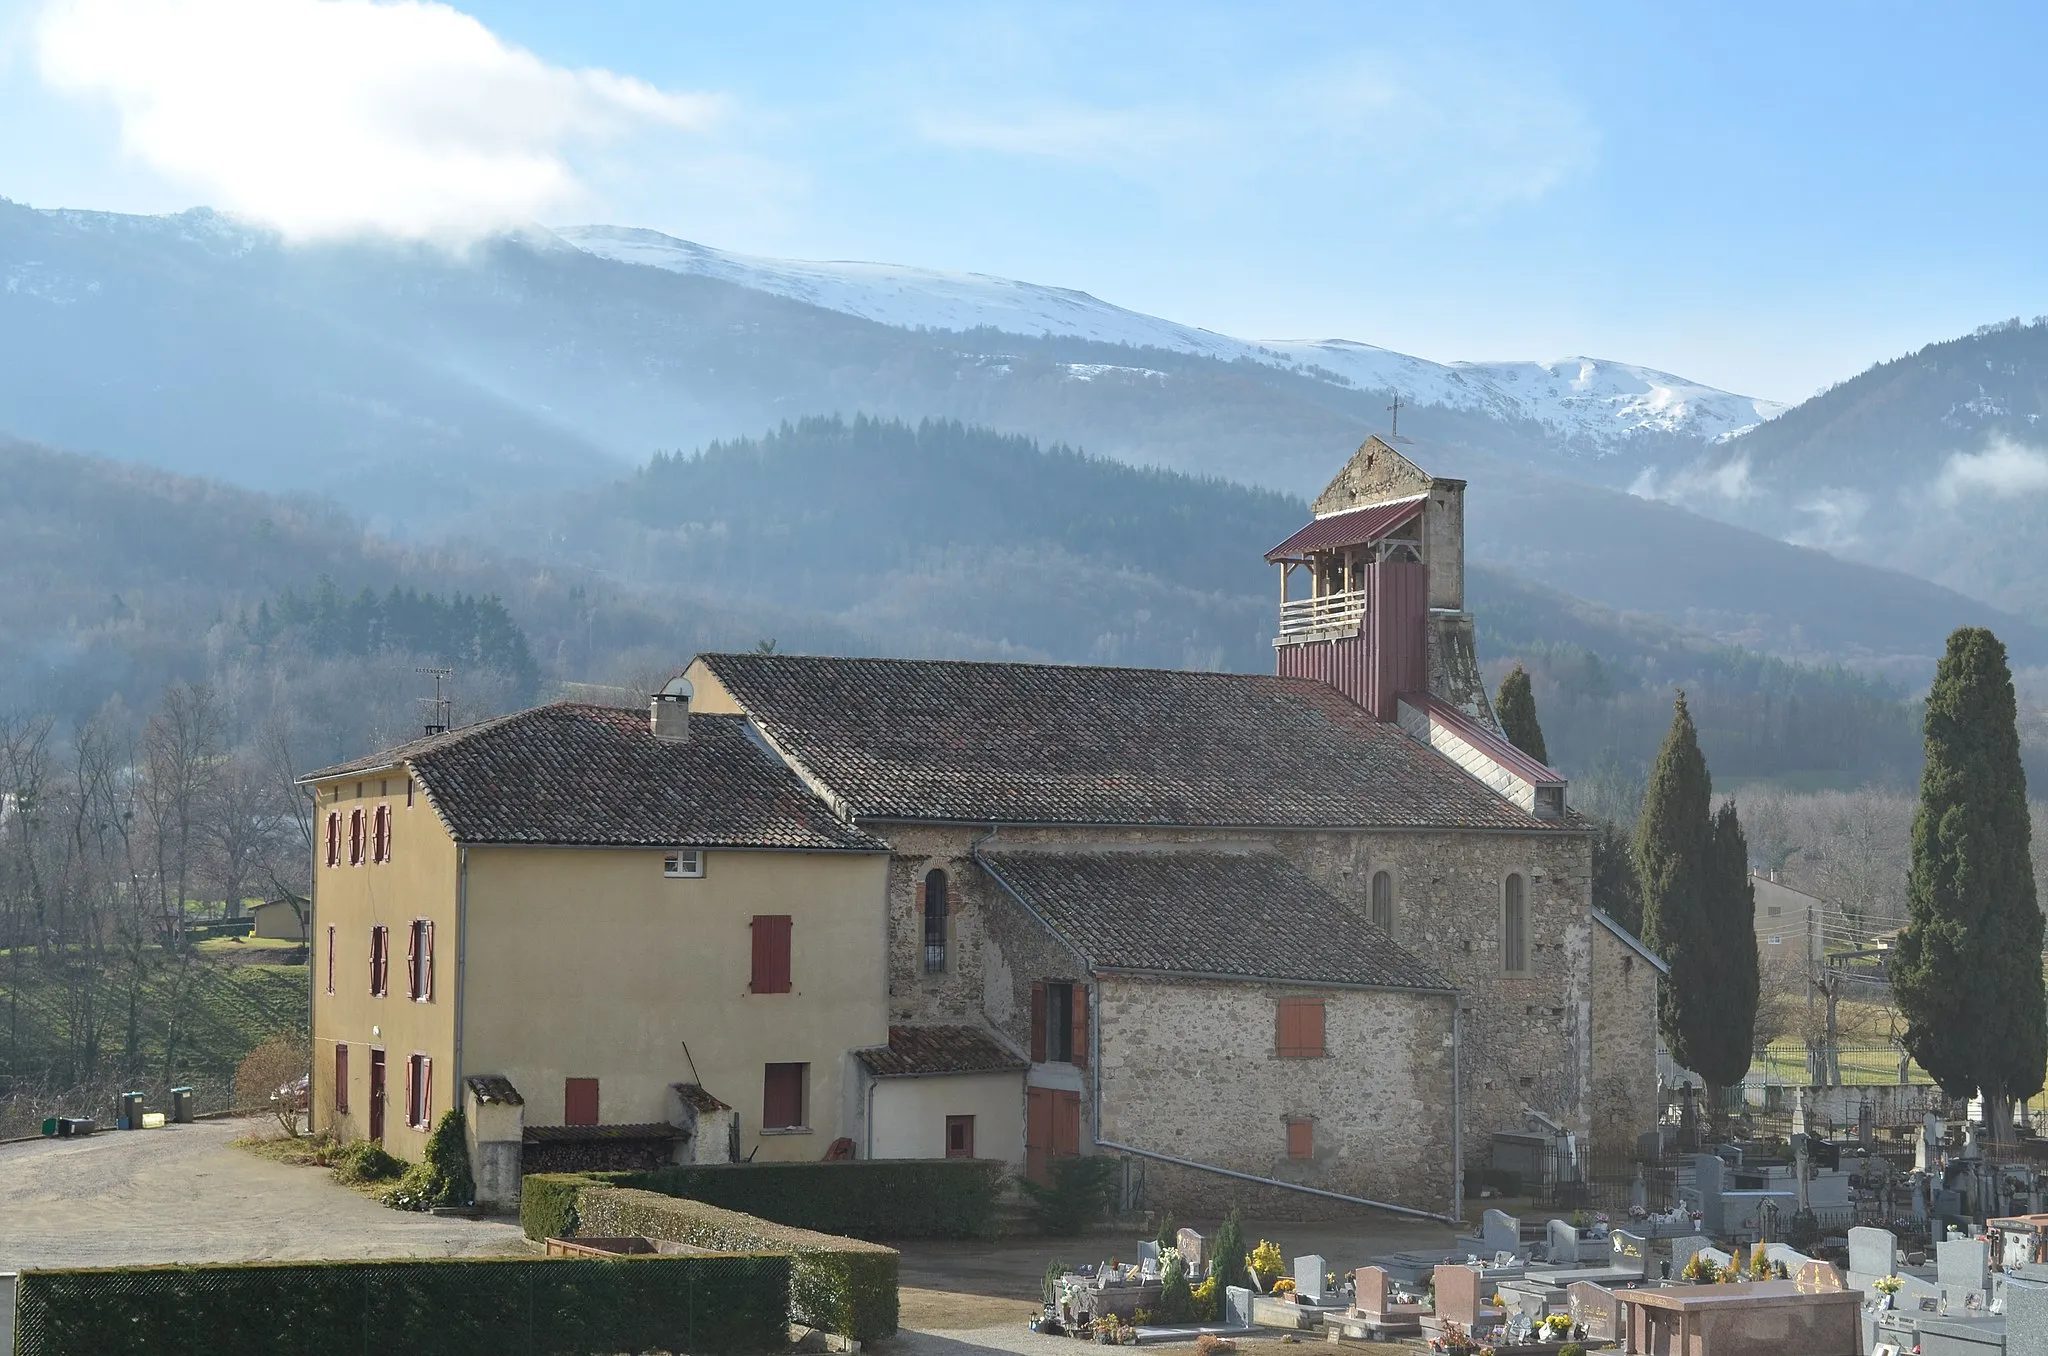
[
  {"x": 1383, "y": 901},
  {"x": 1515, "y": 926},
  {"x": 935, "y": 907}
]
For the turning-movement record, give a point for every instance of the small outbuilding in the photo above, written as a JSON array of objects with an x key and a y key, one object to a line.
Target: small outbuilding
[{"x": 279, "y": 919}]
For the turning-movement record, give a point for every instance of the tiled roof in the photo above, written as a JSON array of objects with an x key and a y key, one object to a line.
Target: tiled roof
[
  {"x": 938, "y": 1050},
  {"x": 1205, "y": 912},
  {"x": 1067, "y": 744},
  {"x": 578, "y": 774},
  {"x": 494, "y": 1090},
  {"x": 697, "y": 1099}
]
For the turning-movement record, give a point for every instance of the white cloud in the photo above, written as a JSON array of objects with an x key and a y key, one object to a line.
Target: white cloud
[
  {"x": 1834, "y": 519},
  {"x": 1730, "y": 480},
  {"x": 2003, "y": 467},
  {"x": 327, "y": 117}
]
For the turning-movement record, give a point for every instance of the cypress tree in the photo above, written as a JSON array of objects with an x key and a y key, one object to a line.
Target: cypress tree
[
  {"x": 1690, "y": 911},
  {"x": 1726, "y": 1045},
  {"x": 1229, "y": 1266},
  {"x": 1968, "y": 966},
  {"x": 1617, "y": 891},
  {"x": 1516, "y": 707}
]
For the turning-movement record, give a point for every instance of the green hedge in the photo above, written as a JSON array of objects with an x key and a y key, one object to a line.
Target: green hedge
[
  {"x": 547, "y": 1203},
  {"x": 840, "y": 1285},
  {"x": 867, "y": 1198},
  {"x": 506, "y": 1307}
]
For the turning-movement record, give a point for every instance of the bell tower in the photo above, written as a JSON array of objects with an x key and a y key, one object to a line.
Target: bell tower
[{"x": 1372, "y": 591}]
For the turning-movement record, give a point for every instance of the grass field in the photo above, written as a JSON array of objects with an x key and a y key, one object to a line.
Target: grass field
[{"x": 237, "y": 996}]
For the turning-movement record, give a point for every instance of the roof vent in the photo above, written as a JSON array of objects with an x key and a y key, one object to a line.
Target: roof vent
[{"x": 668, "y": 711}]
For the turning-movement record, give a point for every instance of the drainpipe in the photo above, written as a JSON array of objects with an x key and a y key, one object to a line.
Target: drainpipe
[
  {"x": 1457, "y": 1107},
  {"x": 455, "y": 1090}
]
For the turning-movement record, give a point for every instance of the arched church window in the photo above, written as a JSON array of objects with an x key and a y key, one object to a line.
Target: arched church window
[
  {"x": 935, "y": 911},
  {"x": 1514, "y": 926},
  {"x": 1383, "y": 901}
]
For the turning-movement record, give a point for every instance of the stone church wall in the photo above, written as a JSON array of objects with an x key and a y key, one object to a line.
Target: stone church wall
[{"x": 1624, "y": 1042}]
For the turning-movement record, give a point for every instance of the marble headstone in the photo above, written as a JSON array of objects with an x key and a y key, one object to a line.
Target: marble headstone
[
  {"x": 1963, "y": 1265},
  {"x": 1499, "y": 1232},
  {"x": 1237, "y": 1306},
  {"x": 1709, "y": 1174},
  {"x": 1192, "y": 1252},
  {"x": 2026, "y": 1317},
  {"x": 1682, "y": 1250},
  {"x": 1370, "y": 1290},
  {"x": 1872, "y": 1252},
  {"x": 1594, "y": 1308},
  {"x": 1457, "y": 1294},
  {"x": 1308, "y": 1279},
  {"x": 1148, "y": 1251},
  {"x": 1561, "y": 1242},
  {"x": 1628, "y": 1252}
]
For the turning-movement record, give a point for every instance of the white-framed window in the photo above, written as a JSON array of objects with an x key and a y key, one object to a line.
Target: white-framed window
[{"x": 688, "y": 864}]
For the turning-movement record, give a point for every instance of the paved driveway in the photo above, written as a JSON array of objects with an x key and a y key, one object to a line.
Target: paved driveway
[{"x": 180, "y": 1194}]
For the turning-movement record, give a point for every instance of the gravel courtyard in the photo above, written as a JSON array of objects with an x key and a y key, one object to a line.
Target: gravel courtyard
[{"x": 180, "y": 1194}]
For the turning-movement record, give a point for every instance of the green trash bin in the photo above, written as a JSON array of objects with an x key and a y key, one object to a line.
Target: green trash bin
[
  {"x": 129, "y": 1117},
  {"x": 50, "y": 1126}
]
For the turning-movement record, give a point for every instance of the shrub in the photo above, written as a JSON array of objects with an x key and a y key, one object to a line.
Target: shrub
[
  {"x": 363, "y": 1160},
  {"x": 269, "y": 1078},
  {"x": 1208, "y": 1301},
  {"x": 868, "y": 1198},
  {"x": 1077, "y": 1197},
  {"x": 840, "y": 1285},
  {"x": 1572, "y": 1349},
  {"x": 547, "y": 1204},
  {"x": 441, "y": 1177},
  {"x": 1228, "y": 1267},
  {"x": 423, "y": 1308},
  {"x": 1176, "y": 1300},
  {"x": 1169, "y": 1232}
]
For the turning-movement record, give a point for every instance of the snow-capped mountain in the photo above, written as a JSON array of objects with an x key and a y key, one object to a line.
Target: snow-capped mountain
[{"x": 1592, "y": 402}]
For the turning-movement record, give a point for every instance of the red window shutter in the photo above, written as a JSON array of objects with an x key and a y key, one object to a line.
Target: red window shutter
[
  {"x": 771, "y": 953},
  {"x": 579, "y": 1101},
  {"x": 426, "y": 1091},
  {"x": 1080, "y": 1059},
  {"x": 1312, "y": 1026},
  {"x": 376, "y": 957},
  {"x": 412, "y": 960},
  {"x": 334, "y": 838},
  {"x": 1300, "y": 1029},
  {"x": 330, "y": 959},
  {"x": 427, "y": 961},
  {"x": 1301, "y": 1139},
  {"x": 782, "y": 1095},
  {"x": 412, "y": 1090},
  {"x": 1284, "y": 1028},
  {"x": 1038, "y": 1022},
  {"x": 341, "y": 1079}
]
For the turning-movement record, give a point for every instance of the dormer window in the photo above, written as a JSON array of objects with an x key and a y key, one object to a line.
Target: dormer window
[
  {"x": 1550, "y": 802},
  {"x": 687, "y": 864}
]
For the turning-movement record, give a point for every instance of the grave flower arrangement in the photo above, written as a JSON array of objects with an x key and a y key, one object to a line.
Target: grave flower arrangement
[
  {"x": 1886, "y": 1287},
  {"x": 1266, "y": 1262},
  {"x": 1554, "y": 1328}
]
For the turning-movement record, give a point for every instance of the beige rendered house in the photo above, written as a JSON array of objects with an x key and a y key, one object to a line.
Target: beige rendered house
[{"x": 620, "y": 937}]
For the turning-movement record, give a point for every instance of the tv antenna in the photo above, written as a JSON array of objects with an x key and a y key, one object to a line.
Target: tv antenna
[
  {"x": 443, "y": 706},
  {"x": 1394, "y": 431}
]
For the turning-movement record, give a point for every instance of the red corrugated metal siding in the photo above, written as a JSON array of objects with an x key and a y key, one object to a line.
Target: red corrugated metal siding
[
  {"x": 1343, "y": 664},
  {"x": 1397, "y": 602}
]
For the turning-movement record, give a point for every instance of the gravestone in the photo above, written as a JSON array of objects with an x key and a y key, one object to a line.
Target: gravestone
[
  {"x": 1561, "y": 1242},
  {"x": 1192, "y": 1252},
  {"x": 1593, "y": 1308},
  {"x": 1308, "y": 1279},
  {"x": 1708, "y": 1175},
  {"x": 1370, "y": 1290},
  {"x": 1963, "y": 1267},
  {"x": 1457, "y": 1295},
  {"x": 1148, "y": 1251},
  {"x": 1628, "y": 1252},
  {"x": 2026, "y": 1317},
  {"x": 1682, "y": 1250},
  {"x": 1237, "y": 1306},
  {"x": 1872, "y": 1253},
  {"x": 1499, "y": 1232}
]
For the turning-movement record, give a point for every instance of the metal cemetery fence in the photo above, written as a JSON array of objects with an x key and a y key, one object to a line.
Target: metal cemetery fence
[{"x": 509, "y": 1307}]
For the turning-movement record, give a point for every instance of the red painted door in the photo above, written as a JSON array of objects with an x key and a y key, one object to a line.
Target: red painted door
[{"x": 376, "y": 1096}]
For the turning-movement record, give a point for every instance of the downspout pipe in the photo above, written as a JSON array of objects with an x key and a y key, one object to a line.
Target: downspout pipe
[
  {"x": 1458, "y": 1107},
  {"x": 456, "y": 1085}
]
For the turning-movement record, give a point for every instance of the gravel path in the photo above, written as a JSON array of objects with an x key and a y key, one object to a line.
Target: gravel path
[{"x": 180, "y": 1194}]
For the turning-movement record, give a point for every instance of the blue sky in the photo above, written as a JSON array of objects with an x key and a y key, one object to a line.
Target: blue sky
[{"x": 1767, "y": 198}]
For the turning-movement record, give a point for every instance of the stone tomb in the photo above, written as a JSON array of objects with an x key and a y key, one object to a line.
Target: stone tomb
[
  {"x": 1460, "y": 1298},
  {"x": 1594, "y": 1309},
  {"x": 1756, "y": 1318},
  {"x": 1375, "y": 1310}
]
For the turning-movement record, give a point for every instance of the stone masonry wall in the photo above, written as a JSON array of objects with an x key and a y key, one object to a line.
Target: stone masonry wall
[
  {"x": 1625, "y": 1042},
  {"x": 1189, "y": 1069},
  {"x": 1527, "y": 1040}
]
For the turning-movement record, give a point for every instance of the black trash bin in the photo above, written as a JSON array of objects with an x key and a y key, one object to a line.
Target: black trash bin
[
  {"x": 129, "y": 1117},
  {"x": 181, "y": 1106}
]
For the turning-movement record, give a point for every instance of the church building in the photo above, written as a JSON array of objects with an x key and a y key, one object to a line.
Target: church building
[{"x": 1302, "y": 940}]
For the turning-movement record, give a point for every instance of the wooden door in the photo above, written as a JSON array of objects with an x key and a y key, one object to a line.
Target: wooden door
[
  {"x": 376, "y": 1096},
  {"x": 1052, "y": 1128}
]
